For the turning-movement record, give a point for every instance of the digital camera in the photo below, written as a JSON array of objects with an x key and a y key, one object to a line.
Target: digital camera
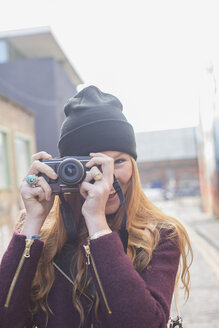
[{"x": 71, "y": 172}]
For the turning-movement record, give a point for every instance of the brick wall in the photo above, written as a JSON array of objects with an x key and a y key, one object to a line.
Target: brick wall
[{"x": 13, "y": 119}]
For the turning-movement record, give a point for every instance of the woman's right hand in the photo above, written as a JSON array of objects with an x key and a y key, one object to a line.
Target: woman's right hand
[{"x": 37, "y": 200}]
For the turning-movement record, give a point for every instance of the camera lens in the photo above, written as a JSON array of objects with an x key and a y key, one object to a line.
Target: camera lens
[{"x": 71, "y": 171}]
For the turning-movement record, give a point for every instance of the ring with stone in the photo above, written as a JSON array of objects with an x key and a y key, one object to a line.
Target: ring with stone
[
  {"x": 90, "y": 194},
  {"x": 32, "y": 180},
  {"x": 98, "y": 176}
]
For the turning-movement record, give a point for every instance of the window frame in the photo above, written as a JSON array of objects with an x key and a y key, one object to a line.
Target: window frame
[
  {"x": 5, "y": 131},
  {"x": 27, "y": 138}
]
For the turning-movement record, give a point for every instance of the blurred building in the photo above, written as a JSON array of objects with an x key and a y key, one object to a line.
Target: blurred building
[
  {"x": 35, "y": 73},
  {"x": 208, "y": 140},
  {"x": 168, "y": 161},
  {"x": 17, "y": 142}
]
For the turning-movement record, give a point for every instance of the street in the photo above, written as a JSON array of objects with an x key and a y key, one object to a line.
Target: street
[{"x": 202, "y": 308}]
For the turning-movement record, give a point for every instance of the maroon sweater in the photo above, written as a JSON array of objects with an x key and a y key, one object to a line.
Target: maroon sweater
[{"x": 127, "y": 298}]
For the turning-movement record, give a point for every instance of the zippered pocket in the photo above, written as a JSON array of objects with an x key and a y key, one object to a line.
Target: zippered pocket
[
  {"x": 90, "y": 260},
  {"x": 25, "y": 255}
]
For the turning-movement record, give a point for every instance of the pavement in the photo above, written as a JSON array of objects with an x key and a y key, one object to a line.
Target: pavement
[{"x": 202, "y": 308}]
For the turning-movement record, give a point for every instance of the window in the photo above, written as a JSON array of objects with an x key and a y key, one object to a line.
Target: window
[
  {"x": 4, "y": 163},
  {"x": 22, "y": 156},
  {"x": 3, "y": 51},
  {"x": 8, "y": 52}
]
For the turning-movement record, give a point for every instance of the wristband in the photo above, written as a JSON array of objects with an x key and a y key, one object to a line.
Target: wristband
[
  {"x": 100, "y": 233},
  {"x": 34, "y": 237}
]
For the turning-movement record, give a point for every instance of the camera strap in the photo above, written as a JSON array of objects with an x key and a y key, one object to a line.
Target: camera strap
[
  {"x": 70, "y": 224},
  {"x": 68, "y": 219},
  {"x": 123, "y": 233}
]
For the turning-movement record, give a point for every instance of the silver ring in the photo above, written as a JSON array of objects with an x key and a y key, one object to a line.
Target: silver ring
[{"x": 32, "y": 180}]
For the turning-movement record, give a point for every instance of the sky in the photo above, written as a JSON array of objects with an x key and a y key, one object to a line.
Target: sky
[{"x": 150, "y": 54}]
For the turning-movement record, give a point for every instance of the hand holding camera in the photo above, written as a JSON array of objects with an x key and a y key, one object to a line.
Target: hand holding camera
[
  {"x": 37, "y": 194},
  {"x": 64, "y": 175}
]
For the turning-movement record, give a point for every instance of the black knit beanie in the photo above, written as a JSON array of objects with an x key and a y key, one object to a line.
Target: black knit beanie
[{"x": 94, "y": 123}]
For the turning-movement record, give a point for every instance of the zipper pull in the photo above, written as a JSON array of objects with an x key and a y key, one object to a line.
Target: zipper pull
[
  {"x": 29, "y": 242},
  {"x": 87, "y": 251}
]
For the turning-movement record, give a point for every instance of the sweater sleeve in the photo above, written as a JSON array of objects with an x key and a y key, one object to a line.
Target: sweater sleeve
[
  {"x": 17, "y": 270},
  {"x": 129, "y": 299}
]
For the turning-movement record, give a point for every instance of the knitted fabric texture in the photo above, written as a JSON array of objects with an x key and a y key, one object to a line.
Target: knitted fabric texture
[{"x": 94, "y": 123}]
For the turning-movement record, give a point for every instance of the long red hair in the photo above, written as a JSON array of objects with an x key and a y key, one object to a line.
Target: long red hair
[{"x": 144, "y": 221}]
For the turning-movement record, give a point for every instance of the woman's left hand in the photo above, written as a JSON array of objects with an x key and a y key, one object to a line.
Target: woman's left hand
[{"x": 96, "y": 194}]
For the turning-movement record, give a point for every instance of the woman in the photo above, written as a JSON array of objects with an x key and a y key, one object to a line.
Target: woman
[{"x": 66, "y": 266}]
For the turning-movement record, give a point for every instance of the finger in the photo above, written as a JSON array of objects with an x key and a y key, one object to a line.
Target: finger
[
  {"x": 92, "y": 174},
  {"x": 41, "y": 182},
  {"x": 30, "y": 192},
  {"x": 85, "y": 188},
  {"x": 39, "y": 167},
  {"x": 41, "y": 195},
  {"x": 99, "y": 159},
  {"x": 98, "y": 154},
  {"x": 40, "y": 155},
  {"x": 106, "y": 163}
]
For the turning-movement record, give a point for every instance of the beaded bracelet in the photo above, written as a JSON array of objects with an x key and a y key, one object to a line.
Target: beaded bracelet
[{"x": 34, "y": 237}]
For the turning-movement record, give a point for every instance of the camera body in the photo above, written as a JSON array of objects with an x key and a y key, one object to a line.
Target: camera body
[{"x": 71, "y": 171}]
